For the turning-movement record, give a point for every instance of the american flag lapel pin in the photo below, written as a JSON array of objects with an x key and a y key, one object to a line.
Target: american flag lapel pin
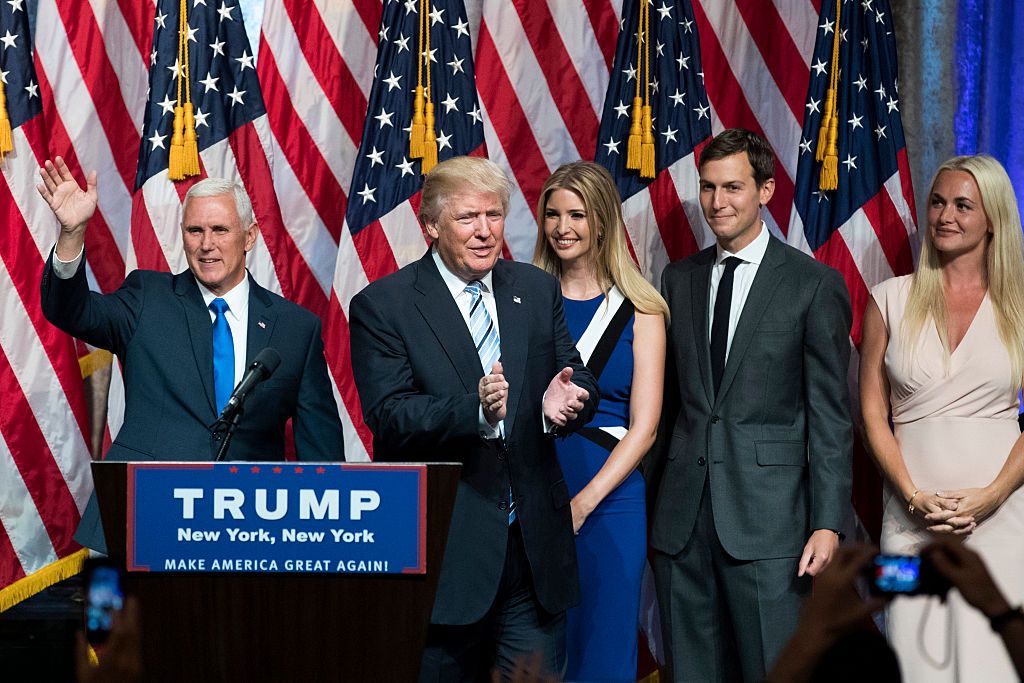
[
  {"x": 517, "y": 300},
  {"x": 262, "y": 325}
]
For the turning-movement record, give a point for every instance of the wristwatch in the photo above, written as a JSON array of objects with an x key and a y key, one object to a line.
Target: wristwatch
[{"x": 1000, "y": 620}]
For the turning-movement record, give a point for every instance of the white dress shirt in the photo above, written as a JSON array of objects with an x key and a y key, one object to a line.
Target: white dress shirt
[
  {"x": 237, "y": 300},
  {"x": 743, "y": 277},
  {"x": 457, "y": 287}
]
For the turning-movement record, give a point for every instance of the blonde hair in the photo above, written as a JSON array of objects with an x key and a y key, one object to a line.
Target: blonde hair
[
  {"x": 461, "y": 174},
  {"x": 609, "y": 255},
  {"x": 1004, "y": 257}
]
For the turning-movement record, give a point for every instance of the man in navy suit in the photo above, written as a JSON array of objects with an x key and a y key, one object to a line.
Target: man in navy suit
[
  {"x": 462, "y": 356},
  {"x": 164, "y": 330}
]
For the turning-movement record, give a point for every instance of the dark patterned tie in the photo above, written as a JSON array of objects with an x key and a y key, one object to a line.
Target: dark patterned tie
[{"x": 720, "y": 324}]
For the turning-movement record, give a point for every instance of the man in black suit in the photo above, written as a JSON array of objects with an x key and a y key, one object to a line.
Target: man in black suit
[
  {"x": 756, "y": 435},
  {"x": 178, "y": 372},
  {"x": 421, "y": 341}
]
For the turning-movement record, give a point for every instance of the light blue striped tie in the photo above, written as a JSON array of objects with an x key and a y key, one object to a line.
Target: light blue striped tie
[{"x": 488, "y": 347}]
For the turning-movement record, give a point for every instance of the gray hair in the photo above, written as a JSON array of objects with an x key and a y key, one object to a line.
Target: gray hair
[
  {"x": 216, "y": 187},
  {"x": 462, "y": 174}
]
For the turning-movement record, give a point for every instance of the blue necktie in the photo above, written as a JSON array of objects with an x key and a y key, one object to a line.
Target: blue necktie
[
  {"x": 488, "y": 347},
  {"x": 223, "y": 354}
]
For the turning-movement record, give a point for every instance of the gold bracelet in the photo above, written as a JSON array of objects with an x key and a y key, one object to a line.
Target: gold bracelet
[{"x": 910, "y": 503}]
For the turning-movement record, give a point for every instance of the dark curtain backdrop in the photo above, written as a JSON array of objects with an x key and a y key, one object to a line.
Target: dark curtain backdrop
[{"x": 961, "y": 84}]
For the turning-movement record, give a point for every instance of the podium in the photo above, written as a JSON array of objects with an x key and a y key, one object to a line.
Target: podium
[{"x": 254, "y": 626}]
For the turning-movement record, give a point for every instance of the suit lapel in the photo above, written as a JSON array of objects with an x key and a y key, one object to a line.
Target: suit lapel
[
  {"x": 200, "y": 330},
  {"x": 442, "y": 314},
  {"x": 700, "y": 283},
  {"x": 513, "y": 324},
  {"x": 769, "y": 274},
  {"x": 261, "y": 321}
]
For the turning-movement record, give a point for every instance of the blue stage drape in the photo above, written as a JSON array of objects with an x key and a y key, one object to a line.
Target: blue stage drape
[{"x": 990, "y": 73}]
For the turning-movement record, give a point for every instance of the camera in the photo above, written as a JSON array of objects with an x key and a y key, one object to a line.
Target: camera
[
  {"x": 890, "y": 575},
  {"x": 104, "y": 595}
]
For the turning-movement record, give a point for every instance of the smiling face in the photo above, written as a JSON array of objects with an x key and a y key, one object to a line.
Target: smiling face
[
  {"x": 468, "y": 233},
  {"x": 731, "y": 200},
  {"x": 215, "y": 241},
  {"x": 567, "y": 225},
  {"x": 957, "y": 223}
]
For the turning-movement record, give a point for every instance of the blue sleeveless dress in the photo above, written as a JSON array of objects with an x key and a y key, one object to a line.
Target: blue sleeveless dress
[{"x": 611, "y": 547}]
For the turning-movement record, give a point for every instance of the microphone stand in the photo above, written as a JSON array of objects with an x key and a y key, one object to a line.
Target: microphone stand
[{"x": 223, "y": 429}]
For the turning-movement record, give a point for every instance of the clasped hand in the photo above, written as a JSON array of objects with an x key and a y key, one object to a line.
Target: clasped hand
[{"x": 955, "y": 512}]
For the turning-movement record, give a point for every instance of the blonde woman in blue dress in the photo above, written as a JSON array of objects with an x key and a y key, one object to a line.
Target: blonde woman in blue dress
[
  {"x": 943, "y": 357},
  {"x": 618, "y": 322}
]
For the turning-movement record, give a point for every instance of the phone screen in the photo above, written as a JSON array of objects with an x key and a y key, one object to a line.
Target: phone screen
[
  {"x": 895, "y": 574},
  {"x": 104, "y": 597}
]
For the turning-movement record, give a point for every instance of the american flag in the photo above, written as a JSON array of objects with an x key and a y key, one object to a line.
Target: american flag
[
  {"x": 44, "y": 475},
  {"x": 543, "y": 70}
]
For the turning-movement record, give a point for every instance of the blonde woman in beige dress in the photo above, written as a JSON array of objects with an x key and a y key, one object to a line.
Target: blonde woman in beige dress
[{"x": 943, "y": 356}]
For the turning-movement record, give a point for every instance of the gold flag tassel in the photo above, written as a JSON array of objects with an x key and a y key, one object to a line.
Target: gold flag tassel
[
  {"x": 6, "y": 139},
  {"x": 636, "y": 115},
  {"x": 183, "y": 159},
  {"x": 429, "y": 160},
  {"x": 418, "y": 124},
  {"x": 828, "y": 137},
  {"x": 647, "y": 167}
]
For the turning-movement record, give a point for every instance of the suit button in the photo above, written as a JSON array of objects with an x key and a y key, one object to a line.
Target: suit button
[
  {"x": 501, "y": 455},
  {"x": 714, "y": 419},
  {"x": 701, "y": 462},
  {"x": 502, "y": 505}
]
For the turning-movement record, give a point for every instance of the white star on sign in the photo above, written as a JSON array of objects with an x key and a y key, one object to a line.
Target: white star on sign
[
  {"x": 157, "y": 140},
  {"x": 612, "y": 145},
  {"x": 236, "y": 96}
]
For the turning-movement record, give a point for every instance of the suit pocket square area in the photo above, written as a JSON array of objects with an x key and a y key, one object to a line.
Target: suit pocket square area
[{"x": 789, "y": 453}]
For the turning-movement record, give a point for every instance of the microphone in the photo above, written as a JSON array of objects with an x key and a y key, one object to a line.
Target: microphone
[{"x": 262, "y": 367}]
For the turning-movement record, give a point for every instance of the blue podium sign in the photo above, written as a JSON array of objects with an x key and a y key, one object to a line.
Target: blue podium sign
[{"x": 277, "y": 517}]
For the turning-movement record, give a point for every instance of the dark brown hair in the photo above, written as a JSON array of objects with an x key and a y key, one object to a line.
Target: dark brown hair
[{"x": 736, "y": 140}]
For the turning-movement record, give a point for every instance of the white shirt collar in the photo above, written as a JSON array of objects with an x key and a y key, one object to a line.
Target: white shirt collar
[
  {"x": 752, "y": 253},
  {"x": 456, "y": 285},
  {"x": 237, "y": 298}
]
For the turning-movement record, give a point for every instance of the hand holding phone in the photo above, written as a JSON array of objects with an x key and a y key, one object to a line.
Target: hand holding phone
[
  {"x": 104, "y": 597},
  {"x": 891, "y": 575}
]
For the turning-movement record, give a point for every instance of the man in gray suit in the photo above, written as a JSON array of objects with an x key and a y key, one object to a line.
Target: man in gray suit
[{"x": 754, "y": 460}]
